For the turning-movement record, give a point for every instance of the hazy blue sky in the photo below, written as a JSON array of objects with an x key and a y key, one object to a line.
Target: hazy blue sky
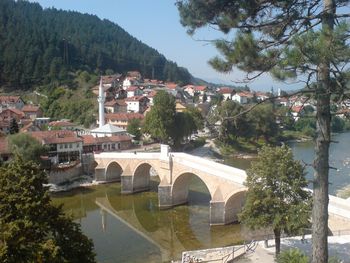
[{"x": 156, "y": 23}]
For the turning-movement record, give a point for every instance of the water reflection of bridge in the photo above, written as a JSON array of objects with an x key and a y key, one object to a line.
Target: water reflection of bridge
[{"x": 165, "y": 233}]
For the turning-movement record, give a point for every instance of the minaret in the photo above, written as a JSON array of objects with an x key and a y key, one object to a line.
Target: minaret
[{"x": 101, "y": 102}]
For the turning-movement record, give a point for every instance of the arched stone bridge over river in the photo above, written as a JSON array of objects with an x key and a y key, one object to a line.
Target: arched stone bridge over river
[{"x": 225, "y": 183}]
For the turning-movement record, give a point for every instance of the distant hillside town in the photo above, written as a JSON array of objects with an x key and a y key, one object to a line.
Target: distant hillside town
[{"x": 121, "y": 99}]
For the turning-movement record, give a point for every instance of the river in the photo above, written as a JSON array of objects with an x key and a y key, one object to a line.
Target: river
[{"x": 131, "y": 228}]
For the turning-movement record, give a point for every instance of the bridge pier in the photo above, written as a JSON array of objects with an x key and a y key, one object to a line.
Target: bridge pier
[
  {"x": 165, "y": 199},
  {"x": 217, "y": 213},
  {"x": 126, "y": 184}
]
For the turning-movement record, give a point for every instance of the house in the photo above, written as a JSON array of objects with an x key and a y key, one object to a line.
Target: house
[
  {"x": 261, "y": 96},
  {"x": 11, "y": 102},
  {"x": 11, "y": 113},
  {"x": 122, "y": 119},
  {"x": 297, "y": 111},
  {"x": 64, "y": 146},
  {"x": 32, "y": 111},
  {"x": 115, "y": 106},
  {"x": 40, "y": 122},
  {"x": 61, "y": 125},
  {"x": 150, "y": 95},
  {"x": 189, "y": 89},
  {"x": 106, "y": 144},
  {"x": 200, "y": 89},
  {"x": 171, "y": 85},
  {"x": 283, "y": 101},
  {"x": 242, "y": 97},
  {"x": 226, "y": 92},
  {"x": 107, "y": 130},
  {"x": 129, "y": 81},
  {"x": 111, "y": 81},
  {"x": 137, "y": 104},
  {"x": 133, "y": 91}
]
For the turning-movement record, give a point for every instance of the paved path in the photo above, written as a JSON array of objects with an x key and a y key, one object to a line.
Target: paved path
[{"x": 338, "y": 246}]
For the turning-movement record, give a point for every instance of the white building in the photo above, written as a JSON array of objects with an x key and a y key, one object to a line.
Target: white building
[{"x": 107, "y": 130}]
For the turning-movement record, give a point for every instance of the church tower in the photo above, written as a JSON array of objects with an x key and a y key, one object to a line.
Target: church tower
[{"x": 101, "y": 101}]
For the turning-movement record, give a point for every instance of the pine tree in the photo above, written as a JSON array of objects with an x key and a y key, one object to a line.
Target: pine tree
[{"x": 288, "y": 39}]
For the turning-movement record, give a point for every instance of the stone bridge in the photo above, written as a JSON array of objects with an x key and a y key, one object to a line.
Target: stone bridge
[{"x": 224, "y": 183}]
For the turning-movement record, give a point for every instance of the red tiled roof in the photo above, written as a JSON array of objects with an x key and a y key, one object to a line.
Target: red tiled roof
[
  {"x": 297, "y": 108},
  {"x": 124, "y": 116},
  {"x": 136, "y": 98},
  {"x": 226, "y": 90},
  {"x": 53, "y": 137},
  {"x": 171, "y": 85},
  {"x": 115, "y": 102},
  {"x": 132, "y": 88},
  {"x": 9, "y": 99},
  {"x": 200, "y": 88},
  {"x": 61, "y": 123},
  {"x": 91, "y": 140},
  {"x": 30, "y": 108},
  {"x": 245, "y": 94},
  {"x": 15, "y": 111}
]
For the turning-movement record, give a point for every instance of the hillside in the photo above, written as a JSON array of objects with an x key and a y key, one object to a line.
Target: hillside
[{"x": 40, "y": 46}]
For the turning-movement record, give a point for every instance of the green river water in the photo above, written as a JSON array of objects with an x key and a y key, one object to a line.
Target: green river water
[{"x": 131, "y": 228}]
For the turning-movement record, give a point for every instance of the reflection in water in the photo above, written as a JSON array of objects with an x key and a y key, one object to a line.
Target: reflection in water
[{"x": 131, "y": 228}]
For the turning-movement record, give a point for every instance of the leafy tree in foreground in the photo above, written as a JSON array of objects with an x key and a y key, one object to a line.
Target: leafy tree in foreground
[
  {"x": 276, "y": 196},
  {"x": 288, "y": 39},
  {"x": 31, "y": 228}
]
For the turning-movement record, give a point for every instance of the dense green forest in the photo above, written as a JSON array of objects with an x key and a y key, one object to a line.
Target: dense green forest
[{"x": 41, "y": 46}]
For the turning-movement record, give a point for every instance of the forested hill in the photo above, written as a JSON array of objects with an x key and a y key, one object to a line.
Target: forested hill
[{"x": 39, "y": 46}]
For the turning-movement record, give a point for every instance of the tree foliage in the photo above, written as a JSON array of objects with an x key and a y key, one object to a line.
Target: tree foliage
[
  {"x": 134, "y": 128},
  {"x": 14, "y": 126},
  {"x": 287, "y": 39},
  {"x": 292, "y": 256},
  {"x": 31, "y": 228},
  {"x": 160, "y": 121},
  {"x": 27, "y": 147},
  {"x": 53, "y": 43},
  {"x": 276, "y": 197}
]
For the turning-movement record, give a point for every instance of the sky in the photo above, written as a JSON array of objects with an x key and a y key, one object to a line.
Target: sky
[{"x": 157, "y": 24}]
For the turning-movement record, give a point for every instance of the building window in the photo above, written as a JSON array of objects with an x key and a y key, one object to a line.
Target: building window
[
  {"x": 70, "y": 146},
  {"x": 65, "y": 146},
  {"x": 61, "y": 146}
]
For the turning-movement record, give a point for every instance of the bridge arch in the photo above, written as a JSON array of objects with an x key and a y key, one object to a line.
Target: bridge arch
[
  {"x": 113, "y": 171},
  {"x": 180, "y": 187},
  {"x": 234, "y": 204},
  {"x": 142, "y": 176}
]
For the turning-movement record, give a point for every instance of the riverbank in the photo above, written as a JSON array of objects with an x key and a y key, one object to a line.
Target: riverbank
[{"x": 258, "y": 252}]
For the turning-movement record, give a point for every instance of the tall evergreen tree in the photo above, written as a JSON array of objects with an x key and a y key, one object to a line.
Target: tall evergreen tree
[{"x": 288, "y": 39}]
